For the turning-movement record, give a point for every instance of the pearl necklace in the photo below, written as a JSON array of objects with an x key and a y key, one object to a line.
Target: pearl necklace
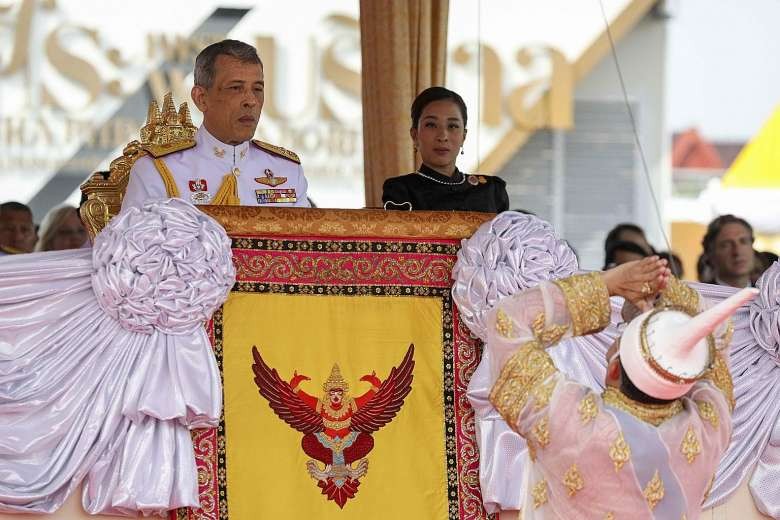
[{"x": 461, "y": 181}]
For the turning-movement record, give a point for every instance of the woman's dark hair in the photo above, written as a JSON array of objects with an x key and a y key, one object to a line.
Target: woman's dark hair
[
  {"x": 614, "y": 234},
  {"x": 629, "y": 389},
  {"x": 622, "y": 245},
  {"x": 713, "y": 229},
  {"x": 431, "y": 94}
]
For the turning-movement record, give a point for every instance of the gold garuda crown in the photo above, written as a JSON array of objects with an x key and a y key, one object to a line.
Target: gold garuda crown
[{"x": 335, "y": 381}]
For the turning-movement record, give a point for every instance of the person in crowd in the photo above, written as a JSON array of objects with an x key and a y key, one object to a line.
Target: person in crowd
[
  {"x": 703, "y": 270},
  {"x": 628, "y": 232},
  {"x": 728, "y": 250},
  {"x": 17, "y": 230},
  {"x": 223, "y": 165},
  {"x": 623, "y": 251},
  {"x": 61, "y": 228},
  {"x": 764, "y": 260},
  {"x": 438, "y": 130},
  {"x": 675, "y": 263},
  {"x": 652, "y": 440}
]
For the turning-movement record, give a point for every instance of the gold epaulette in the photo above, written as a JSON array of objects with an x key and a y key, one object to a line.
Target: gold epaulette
[
  {"x": 160, "y": 150},
  {"x": 277, "y": 150}
]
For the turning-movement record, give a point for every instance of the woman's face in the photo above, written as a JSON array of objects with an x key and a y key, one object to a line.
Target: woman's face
[
  {"x": 439, "y": 135},
  {"x": 70, "y": 235}
]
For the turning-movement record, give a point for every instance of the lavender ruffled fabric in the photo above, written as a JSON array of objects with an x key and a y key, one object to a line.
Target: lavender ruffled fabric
[
  {"x": 167, "y": 268},
  {"x": 512, "y": 252},
  {"x": 103, "y": 391}
]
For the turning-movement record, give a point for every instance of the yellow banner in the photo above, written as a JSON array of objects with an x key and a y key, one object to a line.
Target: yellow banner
[{"x": 268, "y": 473}]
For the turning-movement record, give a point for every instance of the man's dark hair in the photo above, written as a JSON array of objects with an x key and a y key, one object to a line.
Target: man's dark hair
[
  {"x": 206, "y": 61},
  {"x": 622, "y": 245},
  {"x": 15, "y": 206},
  {"x": 614, "y": 234},
  {"x": 431, "y": 94},
  {"x": 714, "y": 228},
  {"x": 629, "y": 389}
]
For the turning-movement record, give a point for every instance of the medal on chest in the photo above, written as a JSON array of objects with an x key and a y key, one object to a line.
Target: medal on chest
[
  {"x": 199, "y": 193},
  {"x": 270, "y": 178}
]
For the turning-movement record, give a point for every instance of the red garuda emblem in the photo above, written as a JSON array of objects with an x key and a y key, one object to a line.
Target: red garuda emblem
[{"x": 336, "y": 428}]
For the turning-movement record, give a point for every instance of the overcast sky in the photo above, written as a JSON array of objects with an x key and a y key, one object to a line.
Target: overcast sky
[{"x": 724, "y": 66}]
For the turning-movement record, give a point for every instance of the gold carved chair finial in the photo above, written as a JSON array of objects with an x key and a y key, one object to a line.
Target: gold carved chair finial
[{"x": 165, "y": 132}]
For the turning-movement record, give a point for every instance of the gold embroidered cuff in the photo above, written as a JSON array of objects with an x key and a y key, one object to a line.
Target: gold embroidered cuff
[
  {"x": 525, "y": 370},
  {"x": 587, "y": 299}
]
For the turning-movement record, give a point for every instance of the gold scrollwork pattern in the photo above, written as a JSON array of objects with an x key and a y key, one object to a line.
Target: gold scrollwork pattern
[
  {"x": 690, "y": 446},
  {"x": 542, "y": 394},
  {"x": 539, "y": 493},
  {"x": 587, "y": 299},
  {"x": 342, "y": 268},
  {"x": 654, "y": 491},
  {"x": 527, "y": 367},
  {"x": 619, "y": 452},
  {"x": 653, "y": 414},
  {"x": 573, "y": 480}
]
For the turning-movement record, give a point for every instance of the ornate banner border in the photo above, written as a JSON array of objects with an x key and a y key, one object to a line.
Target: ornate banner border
[
  {"x": 357, "y": 267},
  {"x": 340, "y": 223}
]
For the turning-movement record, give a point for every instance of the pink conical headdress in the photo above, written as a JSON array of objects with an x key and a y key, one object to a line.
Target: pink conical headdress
[{"x": 664, "y": 351}]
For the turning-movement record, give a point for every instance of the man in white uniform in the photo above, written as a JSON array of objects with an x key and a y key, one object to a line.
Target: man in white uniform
[{"x": 222, "y": 165}]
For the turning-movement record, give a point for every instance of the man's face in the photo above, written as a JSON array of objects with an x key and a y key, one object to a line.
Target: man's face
[
  {"x": 70, "y": 235},
  {"x": 732, "y": 252},
  {"x": 17, "y": 230},
  {"x": 231, "y": 106},
  {"x": 336, "y": 396}
]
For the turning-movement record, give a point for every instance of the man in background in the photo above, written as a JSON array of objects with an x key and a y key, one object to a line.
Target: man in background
[{"x": 17, "y": 230}]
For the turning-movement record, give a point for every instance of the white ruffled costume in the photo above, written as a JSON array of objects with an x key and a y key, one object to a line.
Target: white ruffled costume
[{"x": 105, "y": 365}]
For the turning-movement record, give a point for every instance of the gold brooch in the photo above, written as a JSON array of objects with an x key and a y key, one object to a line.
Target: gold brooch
[{"x": 270, "y": 179}]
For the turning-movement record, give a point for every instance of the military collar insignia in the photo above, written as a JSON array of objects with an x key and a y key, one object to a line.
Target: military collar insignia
[
  {"x": 219, "y": 152},
  {"x": 270, "y": 178}
]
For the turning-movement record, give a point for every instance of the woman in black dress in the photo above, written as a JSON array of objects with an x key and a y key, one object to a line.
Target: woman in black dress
[{"x": 438, "y": 131}]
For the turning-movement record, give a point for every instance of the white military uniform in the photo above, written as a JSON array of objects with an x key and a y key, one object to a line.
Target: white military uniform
[{"x": 266, "y": 175}]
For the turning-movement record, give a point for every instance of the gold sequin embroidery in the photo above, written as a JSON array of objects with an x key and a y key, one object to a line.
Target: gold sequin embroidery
[
  {"x": 719, "y": 374},
  {"x": 678, "y": 294},
  {"x": 539, "y": 492},
  {"x": 541, "y": 432},
  {"x": 542, "y": 394},
  {"x": 504, "y": 324},
  {"x": 573, "y": 480},
  {"x": 547, "y": 336},
  {"x": 654, "y": 491},
  {"x": 588, "y": 409},
  {"x": 708, "y": 412},
  {"x": 531, "y": 449},
  {"x": 619, "y": 452},
  {"x": 527, "y": 367},
  {"x": 653, "y": 414},
  {"x": 587, "y": 300},
  {"x": 690, "y": 446}
]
